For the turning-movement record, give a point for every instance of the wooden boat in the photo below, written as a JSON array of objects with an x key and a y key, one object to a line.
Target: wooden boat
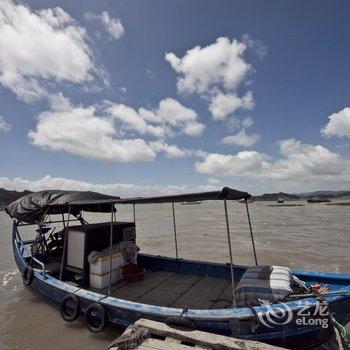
[
  {"x": 244, "y": 201},
  {"x": 197, "y": 294},
  {"x": 318, "y": 200}
]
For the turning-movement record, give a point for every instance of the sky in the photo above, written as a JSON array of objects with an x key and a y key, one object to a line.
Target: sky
[{"x": 162, "y": 97}]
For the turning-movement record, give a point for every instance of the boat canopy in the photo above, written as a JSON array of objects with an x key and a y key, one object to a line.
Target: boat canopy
[
  {"x": 226, "y": 193},
  {"x": 33, "y": 207}
]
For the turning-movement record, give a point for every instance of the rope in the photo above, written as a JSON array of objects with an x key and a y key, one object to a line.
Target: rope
[
  {"x": 131, "y": 338},
  {"x": 77, "y": 290},
  {"x": 104, "y": 297},
  {"x": 341, "y": 329},
  {"x": 181, "y": 320}
]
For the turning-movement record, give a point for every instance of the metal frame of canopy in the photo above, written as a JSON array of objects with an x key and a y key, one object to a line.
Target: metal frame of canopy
[
  {"x": 148, "y": 201},
  {"x": 76, "y": 206}
]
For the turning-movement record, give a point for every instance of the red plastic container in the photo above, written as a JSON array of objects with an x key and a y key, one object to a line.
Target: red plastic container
[{"x": 132, "y": 273}]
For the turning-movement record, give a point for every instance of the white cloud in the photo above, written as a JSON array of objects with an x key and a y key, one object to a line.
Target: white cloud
[
  {"x": 234, "y": 123},
  {"x": 123, "y": 90},
  {"x": 79, "y": 131},
  {"x": 338, "y": 124},
  {"x": 301, "y": 166},
  {"x": 174, "y": 112},
  {"x": 113, "y": 26},
  {"x": 247, "y": 122},
  {"x": 117, "y": 189},
  {"x": 59, "y": 102},
  {"x": 241, "y": 139},
  {"x": 194, "y": 128},
  {"x": 241, "y": 164},
  {"x": 248, "y": 101},
  {"x": 213, "y": 181},
  {"x": 170, "y": 117},
  {"x": 42, "y": 47},
  {"x": 171, "y": 151},
  {"x": 135, "y": 120},
  {"x": 4, "y": 126},
  {"x": 89, "y": 132},
  {"x": 256, "y": 46},
  {"x": 221, "y": 105},
  {"x": 307, "y": 160},
  {"x": 202, "y": 68},
  {"x": 216, "y": 73}
]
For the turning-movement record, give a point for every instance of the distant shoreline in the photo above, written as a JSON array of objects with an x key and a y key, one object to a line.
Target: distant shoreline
[{"x": 268, "y": 197}]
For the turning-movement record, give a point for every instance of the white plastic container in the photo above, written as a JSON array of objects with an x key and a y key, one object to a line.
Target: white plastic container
[{"x": 99, "y": 271}]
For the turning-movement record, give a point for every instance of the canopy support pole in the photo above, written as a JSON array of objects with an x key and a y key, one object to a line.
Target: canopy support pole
[
  {"x": 110, "y": 250},
  {"x": 64, "y": 253},
  {"x": 231, "y": 258},
  {"x": 134, "y": 210},
  {"x": 63, "y": 221},
  {"x": 251, "y": 233},
  {"x": 175, "y": 235}
]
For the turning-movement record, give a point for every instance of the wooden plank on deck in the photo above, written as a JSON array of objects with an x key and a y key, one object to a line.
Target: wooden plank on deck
[
  {"x": 201, "y": 295},
  {"x": 135, "y": 290},
  {"x": 224, "y": 299},
  {"x": 170, "y": 290}
]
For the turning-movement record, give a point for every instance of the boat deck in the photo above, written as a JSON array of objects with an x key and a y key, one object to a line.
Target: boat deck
[{"x": 163, "y": 288}]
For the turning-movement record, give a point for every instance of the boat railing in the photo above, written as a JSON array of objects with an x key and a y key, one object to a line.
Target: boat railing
[{"x": 22, "y": 248}]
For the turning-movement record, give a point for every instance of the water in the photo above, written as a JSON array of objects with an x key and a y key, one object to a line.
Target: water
[{"x": 312, "y": 237}]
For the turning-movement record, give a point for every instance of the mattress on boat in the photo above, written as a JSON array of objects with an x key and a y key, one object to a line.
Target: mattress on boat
[{"x": 264, "y": 284}]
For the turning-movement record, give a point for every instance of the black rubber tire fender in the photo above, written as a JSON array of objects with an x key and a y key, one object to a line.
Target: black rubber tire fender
[
  {"x": 91, "y": 323},
  {"x": 28, "y": 275},
  {"x": 67, "y": 316}
]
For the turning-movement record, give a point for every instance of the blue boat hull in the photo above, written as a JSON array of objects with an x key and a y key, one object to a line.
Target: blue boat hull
[{"x": 239, "y": 322}]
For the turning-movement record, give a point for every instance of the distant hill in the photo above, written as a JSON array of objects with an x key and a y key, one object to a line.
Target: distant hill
[
  {"x": 326, "y": 194},
  {"x": 6, "y": 196}
]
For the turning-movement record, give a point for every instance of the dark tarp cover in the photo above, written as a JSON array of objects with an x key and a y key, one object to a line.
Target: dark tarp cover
[
  {"x": 33, "y": 207},
  {"x": 226, "y": 193}
]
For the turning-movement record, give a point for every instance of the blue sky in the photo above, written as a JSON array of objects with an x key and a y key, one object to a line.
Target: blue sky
[{"x": 140, "y": 97}]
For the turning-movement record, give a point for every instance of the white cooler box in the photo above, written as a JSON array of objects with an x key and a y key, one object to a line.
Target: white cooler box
[{"x": 99, "y": 271}]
